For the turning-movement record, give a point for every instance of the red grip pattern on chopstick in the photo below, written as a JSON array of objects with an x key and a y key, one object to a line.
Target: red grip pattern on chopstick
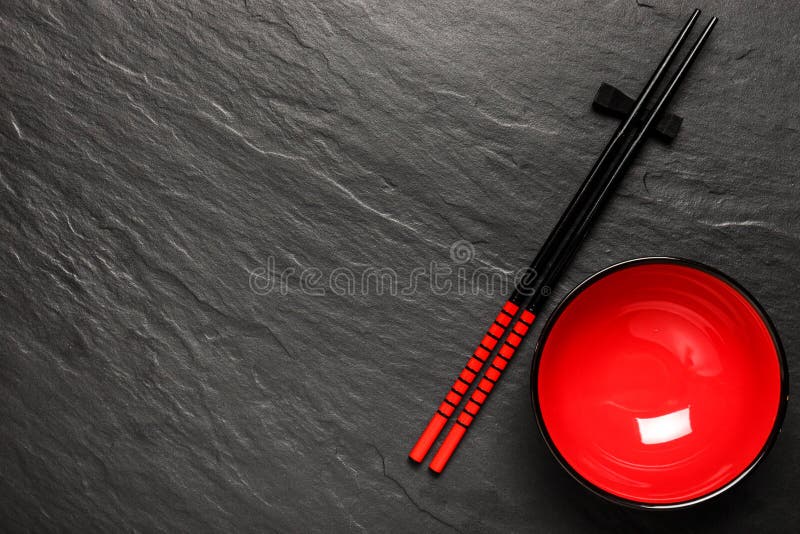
[
  {"x": 479, "y": 396},
  {"x": 463, "y": 382}
]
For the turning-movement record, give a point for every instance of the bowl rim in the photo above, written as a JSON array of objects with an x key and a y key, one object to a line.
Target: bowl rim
[{"x": 553, "y": 319}]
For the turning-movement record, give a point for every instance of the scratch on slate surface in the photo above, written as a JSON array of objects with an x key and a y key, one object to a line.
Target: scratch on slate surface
[
  {"x": 408, "y": 496},
  {"x": 247, "y": 142},
  {"x": 363, "y": 204},
  {"x": 515, "y": 125},
  {"x": 278, "y": 341},
  {"x": 124, "y": 69},
  {"x": 751, "y": 223},
  {"x": 724, "y": 224},
  {"x": 745, "y": 53},
  {"x": 15, "y": 124}
]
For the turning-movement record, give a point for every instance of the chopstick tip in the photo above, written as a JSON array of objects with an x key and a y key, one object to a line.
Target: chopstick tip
[{"x": 434, "y": 472}]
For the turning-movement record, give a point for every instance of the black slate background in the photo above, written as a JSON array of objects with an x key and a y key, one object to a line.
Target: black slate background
[{"x": 152, "y": 155}]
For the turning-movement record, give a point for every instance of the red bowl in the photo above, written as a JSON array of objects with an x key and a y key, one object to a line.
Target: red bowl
[{"x": 659, "y": 383}]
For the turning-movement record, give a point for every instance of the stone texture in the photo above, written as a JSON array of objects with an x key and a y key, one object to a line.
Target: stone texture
[{"x": 153, "y": 155}]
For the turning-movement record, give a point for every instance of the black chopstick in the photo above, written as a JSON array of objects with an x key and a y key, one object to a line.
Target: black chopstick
[
  {"x": 575, "y": 211},
  {"x": 569, "y": 233},
  {"x": 622, "y": 162},
  {"x": 513, "y": 308}
]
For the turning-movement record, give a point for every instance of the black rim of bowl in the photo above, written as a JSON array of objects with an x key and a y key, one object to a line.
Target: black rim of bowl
[{"x": 784, "y": 376}]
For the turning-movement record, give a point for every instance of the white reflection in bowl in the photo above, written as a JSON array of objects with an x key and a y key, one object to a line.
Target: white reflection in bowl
[{"x": 665, "y": 428}]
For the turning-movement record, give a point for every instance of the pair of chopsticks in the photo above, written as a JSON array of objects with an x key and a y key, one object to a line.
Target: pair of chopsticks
[{"x": 517, "y": 315}]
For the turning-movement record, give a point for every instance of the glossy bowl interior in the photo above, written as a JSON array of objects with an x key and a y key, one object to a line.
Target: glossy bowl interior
[{"x": 659, "y": 383}]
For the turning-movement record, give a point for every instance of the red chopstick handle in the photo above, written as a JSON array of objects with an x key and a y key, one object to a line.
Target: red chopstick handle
[
  {"x": 481, "y": 393},
  {"x": 448, "y": 446},
  {"x": 463, "y": 382},
  {"x": 429, "y": 435}
]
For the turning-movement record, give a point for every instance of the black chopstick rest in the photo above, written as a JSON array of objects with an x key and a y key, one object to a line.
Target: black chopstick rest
[{"x": 611, "y": 101}]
